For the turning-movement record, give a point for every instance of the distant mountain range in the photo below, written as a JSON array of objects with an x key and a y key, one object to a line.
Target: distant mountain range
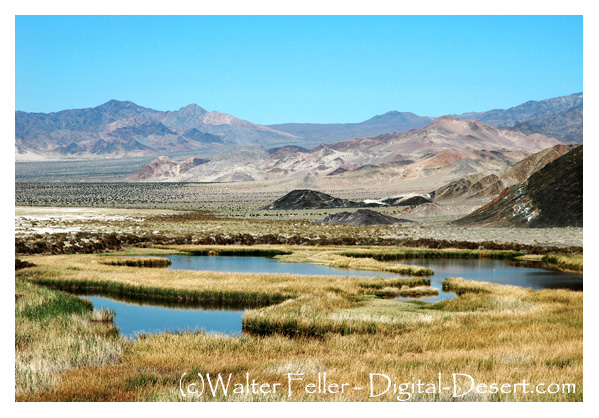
[
  {"x": 445, "y": 150},
  {"x": 117, "y": 129},
  {"x": 560, "y": 117},
  {"x": 121, "y": 128}
]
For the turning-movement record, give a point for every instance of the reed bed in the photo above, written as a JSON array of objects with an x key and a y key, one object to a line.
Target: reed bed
[
  {"x": 340, "y": 325},
  {"x": 330, "y": 256},
  {"x": 566, "y": 262},
  {"x": 341, "y": 261},
  {"x": 416, "y": 292},
  {"x": 90, "y": 274},
  {"x": 56, "y": 332},
  {"x": 393, "y": 254},
  {"x": 505, "y": 334},
  {"x": 227, "y": 250},
  {"x": 152, "y": 262}
]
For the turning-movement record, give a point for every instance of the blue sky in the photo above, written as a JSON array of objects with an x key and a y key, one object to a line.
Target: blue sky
[{"x": 297, "y": 68}]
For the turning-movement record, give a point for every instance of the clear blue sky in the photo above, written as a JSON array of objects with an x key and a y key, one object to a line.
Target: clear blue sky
[{"x": 296, "y": 68}]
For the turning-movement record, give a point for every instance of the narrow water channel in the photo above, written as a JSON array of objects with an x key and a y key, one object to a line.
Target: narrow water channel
[
  {"x": 133, "y": 318},
  {"x": 533, "y": 275}
]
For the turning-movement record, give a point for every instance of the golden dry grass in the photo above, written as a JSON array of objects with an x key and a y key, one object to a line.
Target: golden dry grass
[
  {"x": 565, "y": 262},
  {"x": 90, "y": 273},
  {"x": 56, "y": 332},
  {"x": 491, "y": 332}
]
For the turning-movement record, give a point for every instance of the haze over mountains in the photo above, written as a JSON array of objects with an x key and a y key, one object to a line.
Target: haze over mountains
[
  {"x": 530, "y": 117},
  {"x": 120, "y": 128}
]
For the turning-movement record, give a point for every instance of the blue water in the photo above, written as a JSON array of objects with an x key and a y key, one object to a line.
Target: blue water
[
  {"x": 133, "y": 318},
  {"x": 234, "y": 264},
  {"x": 524, "y": 274}
]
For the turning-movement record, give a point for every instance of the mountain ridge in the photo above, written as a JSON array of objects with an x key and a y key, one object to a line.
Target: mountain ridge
[{"x": 118, "y": 129}]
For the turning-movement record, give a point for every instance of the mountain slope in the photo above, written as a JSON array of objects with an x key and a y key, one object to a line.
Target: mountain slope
[
  {"x": 487, "y": 185},
  {"x": 165, "y": 167},
  {"x": 551, "y": 197},
  {"x": 448, "y": 148},
  {"x": 331, "y": 132},
  {"x": 117, "y": 129},
  {"x": 559, "y": 117}
]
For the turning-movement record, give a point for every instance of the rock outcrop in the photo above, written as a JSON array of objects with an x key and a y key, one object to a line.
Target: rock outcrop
[
  {"x": 551, "y": 197},
  {"x": 309, "y": 199},
  {"x": 364, "y": 217}
]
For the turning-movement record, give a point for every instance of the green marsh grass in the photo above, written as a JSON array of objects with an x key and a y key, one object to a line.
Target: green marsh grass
[{"x": 56, "y": 332}]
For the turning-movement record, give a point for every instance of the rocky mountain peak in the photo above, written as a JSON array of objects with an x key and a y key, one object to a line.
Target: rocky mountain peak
[{"x": 192, "y": 110}]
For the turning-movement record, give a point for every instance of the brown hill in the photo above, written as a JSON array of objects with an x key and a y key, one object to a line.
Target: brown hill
[
  {"x": 483, "y": 186},
  {"x": 165, "y": 168},
  {"x": 551, "y": 197},
  {"x": 447, "y": 149}
]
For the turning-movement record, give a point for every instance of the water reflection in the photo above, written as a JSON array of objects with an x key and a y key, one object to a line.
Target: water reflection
[
  {"x": 236, "y": 264},
  {"x": 526, "y": 274},
  {"x": 133, "y": 317}
]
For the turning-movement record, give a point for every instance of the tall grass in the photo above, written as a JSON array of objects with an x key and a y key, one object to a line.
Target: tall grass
[
  {"x": 501, "y": 334},
  {"x": 90, "y": 274},
  {"x": 568, "y": 262},
  {"x": 237, "y": 251},
  {"x": 404, "y": 253},
  {"x": 339, "y": 325},
  {"x": 55, "y": 332},
  {"x": 159, "y": 262},
  {"x": 231, "y": 298}
]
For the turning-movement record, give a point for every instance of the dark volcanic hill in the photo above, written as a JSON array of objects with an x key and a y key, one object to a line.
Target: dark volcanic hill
[
  {"x": 363, "y": 217},
  {"x": 310, "y": 199},
  {"x": 551, "y": 197}
]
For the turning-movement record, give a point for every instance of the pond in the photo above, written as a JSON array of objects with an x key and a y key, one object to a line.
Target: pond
[
  {"x": 236, "y": 264},
  {"x": 133, "y": 318},
  {"x": 533, "y": 275}
]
